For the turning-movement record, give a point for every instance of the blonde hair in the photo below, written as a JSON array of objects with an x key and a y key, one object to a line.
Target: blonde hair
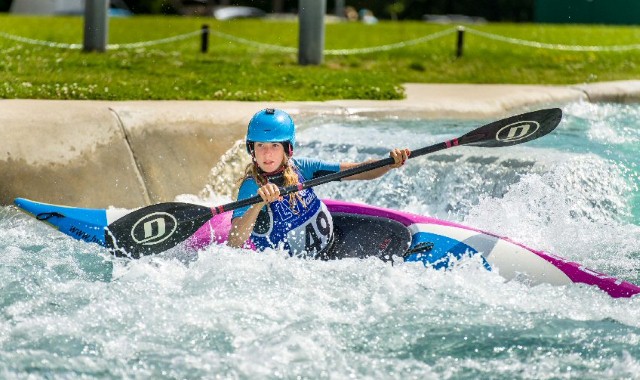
[{"x": 289, "y": 174}]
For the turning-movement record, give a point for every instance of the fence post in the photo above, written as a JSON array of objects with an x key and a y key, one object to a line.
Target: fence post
[
  {"x": 339, "y": 11},
  {"x": 96, "y": 25},
  {"x": 311, "y": 33},
  {"x": 204, "y": 38},
  {"x": 460, "y": 42}
]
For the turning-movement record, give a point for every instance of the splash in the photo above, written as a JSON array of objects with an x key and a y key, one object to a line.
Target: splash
[{"x": 69, "y": 310}]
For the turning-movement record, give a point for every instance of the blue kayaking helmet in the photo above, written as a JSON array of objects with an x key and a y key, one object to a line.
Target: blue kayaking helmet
[{"x": 272, "y": 125}]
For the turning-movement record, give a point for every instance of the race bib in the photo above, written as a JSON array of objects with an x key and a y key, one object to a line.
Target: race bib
[{"x": 314, "y": 236}]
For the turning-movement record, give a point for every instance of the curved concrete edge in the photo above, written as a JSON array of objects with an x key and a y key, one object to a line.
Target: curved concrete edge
[
  {"x": 464, "y": 101},
  {"x": 613, "y": 92},
  {"x": 62, "y": 152},
  {"x": 175, "y": 144},
  {"x": 132, "y": 153}
]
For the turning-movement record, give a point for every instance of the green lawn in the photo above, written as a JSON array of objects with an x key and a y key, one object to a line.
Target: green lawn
[{"x": 231, "y": 70}]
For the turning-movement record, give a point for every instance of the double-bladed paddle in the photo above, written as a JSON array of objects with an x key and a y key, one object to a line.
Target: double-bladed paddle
[{"x": 157, "y": 228}]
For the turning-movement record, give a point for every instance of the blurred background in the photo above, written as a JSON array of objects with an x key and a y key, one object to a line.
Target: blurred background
[{"x": 553, "y": 11}]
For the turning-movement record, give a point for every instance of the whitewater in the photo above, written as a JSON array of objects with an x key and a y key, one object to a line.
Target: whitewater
[{"x": 70, "y": 310}]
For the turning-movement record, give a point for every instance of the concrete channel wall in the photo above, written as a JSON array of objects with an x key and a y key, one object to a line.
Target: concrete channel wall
[{"x": 134, "y": 153}]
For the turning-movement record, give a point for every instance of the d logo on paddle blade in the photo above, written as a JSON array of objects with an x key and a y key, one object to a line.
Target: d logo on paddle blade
[
  {"x": 517, "y": 131},
  {"x": 154, "y": 228},
  {"x": 514, "y": 130}
]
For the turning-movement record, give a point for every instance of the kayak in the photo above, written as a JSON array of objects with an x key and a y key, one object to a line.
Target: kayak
[{"x": 362, "y": 231}]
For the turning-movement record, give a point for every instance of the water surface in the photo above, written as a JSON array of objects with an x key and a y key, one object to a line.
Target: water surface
[{"x": 69, "y": 310}]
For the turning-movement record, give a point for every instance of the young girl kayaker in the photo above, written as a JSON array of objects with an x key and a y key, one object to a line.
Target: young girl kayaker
[{"x": 298, "y": 222}]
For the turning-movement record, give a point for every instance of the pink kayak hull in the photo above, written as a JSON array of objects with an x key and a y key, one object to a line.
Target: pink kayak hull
[{"x": 509, "y": 258}]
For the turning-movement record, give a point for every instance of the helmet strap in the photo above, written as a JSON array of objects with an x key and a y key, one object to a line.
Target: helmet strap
[
  {"x": 275, "y": 172},
  {"x": 251, "y": 151},
  {"x": 288, "y": 148}
]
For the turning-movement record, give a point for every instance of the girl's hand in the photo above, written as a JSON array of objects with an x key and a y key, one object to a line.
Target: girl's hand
[
  {"x": 269, "y": 193},
  {"x": 400, "y": 156}
]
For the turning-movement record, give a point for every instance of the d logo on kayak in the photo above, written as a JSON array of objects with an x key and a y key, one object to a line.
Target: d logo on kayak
[
  {"x": 154, "y": 228},
  {"x": 517, "y": 131}
]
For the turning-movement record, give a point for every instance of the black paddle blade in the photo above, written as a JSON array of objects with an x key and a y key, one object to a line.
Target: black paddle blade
[
  {"x": 515, "y": 129},
  {"x": 156, "y": 228}
]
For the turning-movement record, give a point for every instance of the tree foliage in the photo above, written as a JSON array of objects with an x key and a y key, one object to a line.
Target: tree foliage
[
  {"x": 492, "y": 10},
  {"x": 4, "y": 5}
]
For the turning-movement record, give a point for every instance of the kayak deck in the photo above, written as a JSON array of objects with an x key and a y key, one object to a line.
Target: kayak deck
[{"x": 363, "y": 231}]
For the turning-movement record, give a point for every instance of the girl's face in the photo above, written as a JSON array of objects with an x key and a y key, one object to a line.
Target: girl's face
[{"x": 269, "y": 155}]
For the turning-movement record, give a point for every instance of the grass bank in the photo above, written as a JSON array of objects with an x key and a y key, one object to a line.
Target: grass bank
[{"x": 238, "y": 71}]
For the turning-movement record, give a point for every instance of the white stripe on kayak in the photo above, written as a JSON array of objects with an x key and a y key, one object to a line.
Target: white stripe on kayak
[
  {"x": 115, "y": 214},
  {"x": 511, "y": 260}
]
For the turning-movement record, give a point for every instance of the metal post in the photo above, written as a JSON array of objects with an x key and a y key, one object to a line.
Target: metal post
[
  {"x": 96, "y": 25},
  {"x": 340, "y": 8},
  {"x": 277, "y": 6},
  {"x": 204, "y": 46},
  {"x": 311, "y": 38},
  {"x": 460, "y": 42}
]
